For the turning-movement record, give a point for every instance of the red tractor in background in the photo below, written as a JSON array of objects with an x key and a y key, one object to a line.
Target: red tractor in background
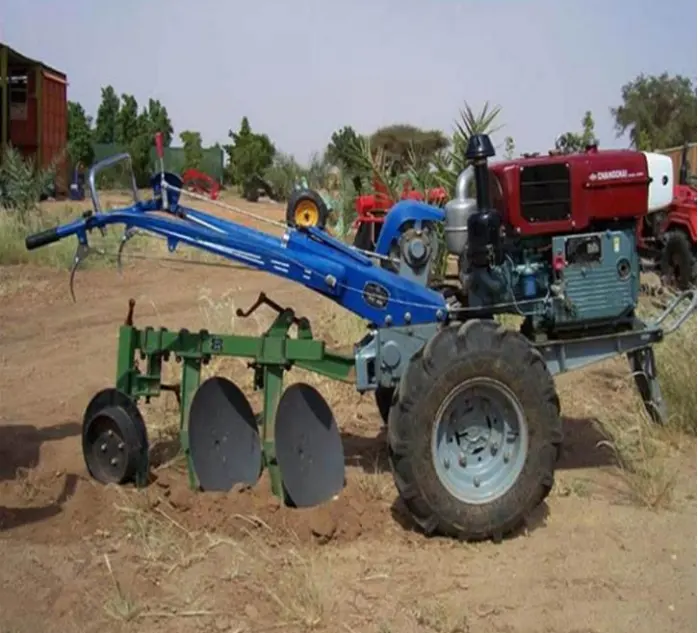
[
  {"x": 667, "y": 238},
  {"x": 200, "y": 182},
  {"x": 372, "y": 208}
]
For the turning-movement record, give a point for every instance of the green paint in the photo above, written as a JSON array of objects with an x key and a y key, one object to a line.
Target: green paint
[{"x": 142, "y": 352}]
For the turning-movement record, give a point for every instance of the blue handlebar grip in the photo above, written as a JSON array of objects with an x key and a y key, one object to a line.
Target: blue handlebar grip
[{"x": 37, "y": 240}]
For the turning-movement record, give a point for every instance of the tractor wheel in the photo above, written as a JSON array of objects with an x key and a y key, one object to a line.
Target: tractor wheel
[
  {"x": 305, "y": 209},
  {"x": 678, "y": 260},
  {"x": 362, "y": 239},
  {"x": 475, "y": 432}
]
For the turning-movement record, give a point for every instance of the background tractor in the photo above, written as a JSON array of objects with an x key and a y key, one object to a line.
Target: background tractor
[
  {"x": 667, "y": 237},
  {"x": 372, "y": 208}
]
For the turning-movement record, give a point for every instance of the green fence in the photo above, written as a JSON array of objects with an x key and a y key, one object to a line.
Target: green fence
[{"x": 212, "y": 162}]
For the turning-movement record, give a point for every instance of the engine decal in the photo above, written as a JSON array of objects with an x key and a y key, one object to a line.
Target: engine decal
[{"x": 614, "y": 174}]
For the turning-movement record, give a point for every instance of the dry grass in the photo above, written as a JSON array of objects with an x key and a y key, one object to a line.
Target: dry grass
[
  {"x": 648, "y": 456},
  {"x": 13, "y": 232},
  {"x": 295, "y": 584}
]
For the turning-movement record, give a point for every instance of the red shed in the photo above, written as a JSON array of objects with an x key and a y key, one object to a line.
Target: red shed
[{"x": 34, "y": 113}]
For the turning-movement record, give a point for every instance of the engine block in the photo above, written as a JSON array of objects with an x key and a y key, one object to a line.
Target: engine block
[
  {"x": 564, "y": 282},
  {"x": 596, "y": 277}
]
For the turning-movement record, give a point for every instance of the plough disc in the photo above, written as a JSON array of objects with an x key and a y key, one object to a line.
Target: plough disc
[
  {"x": 308, "y": 447},
  {"x": 223, "y": 437},
  {"x": 114, "y": 438}
]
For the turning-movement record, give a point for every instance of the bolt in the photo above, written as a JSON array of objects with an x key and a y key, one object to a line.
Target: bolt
[
  {"x": 103, "y": 448},
  {"x": 121, "y": 446},
  {"x": 507, "y": 457},
  {"x": 447, "y": 464},
  {"x": 476, "y": 481},
  {"x": 462, "y": 461},
  {"x": 494, "y": 448},
  {"x": 408, "y": 317},
  {"x": 110, "y": 433},
  {"x": 114, "y": 461}
]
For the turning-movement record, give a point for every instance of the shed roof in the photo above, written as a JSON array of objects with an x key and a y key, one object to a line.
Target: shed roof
[{"x": 17, "y": 57}]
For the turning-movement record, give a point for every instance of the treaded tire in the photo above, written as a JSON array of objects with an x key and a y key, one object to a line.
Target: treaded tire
[
  {"x": 384, "y": 401},
  {"x": 478, "y": 348},
  {"x": 678, "y": 259},
  {"x": 301, "y": 195}
]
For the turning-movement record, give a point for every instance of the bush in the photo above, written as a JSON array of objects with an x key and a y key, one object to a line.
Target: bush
[{"x": 22, "y": 185}]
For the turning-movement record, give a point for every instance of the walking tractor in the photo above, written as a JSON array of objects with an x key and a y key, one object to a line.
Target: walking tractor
[{"x": 473, "y": 419}]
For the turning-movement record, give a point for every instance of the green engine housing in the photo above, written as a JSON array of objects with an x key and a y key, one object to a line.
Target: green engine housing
[{"x": 564, "y": 282}]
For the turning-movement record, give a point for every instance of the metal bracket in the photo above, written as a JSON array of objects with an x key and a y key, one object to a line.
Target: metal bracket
[{"x": 81, "y": 254}]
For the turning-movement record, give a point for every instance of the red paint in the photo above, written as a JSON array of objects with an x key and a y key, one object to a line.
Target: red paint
[
  {"x": 372, "y": 208},
  {"x": 201, "y": 183},
  {"x": 46, "y": 116},
  {"x": 682, "y": 212},
  {"x": 159, "y": 148},
  {"x": 591, "y": 200}
]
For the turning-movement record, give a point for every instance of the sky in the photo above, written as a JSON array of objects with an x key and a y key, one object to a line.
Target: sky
[{"x": 300, "y": 69}]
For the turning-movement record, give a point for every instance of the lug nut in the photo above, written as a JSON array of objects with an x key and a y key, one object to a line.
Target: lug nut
[
  {"x": 103, "y": 448},
  {"x": 114, "y": 461},
  {"x": 494, "y": 448},
  {"x": 476, "y": 482},
  {"x": 121, "y": 446},
  {"x": 447, "y": 464},
  {"x": 507, "y": 457},
  {"x": 462, "y": 461}
]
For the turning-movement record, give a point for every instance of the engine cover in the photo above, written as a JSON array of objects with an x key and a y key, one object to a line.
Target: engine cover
[{"x": 596, "y": 277}]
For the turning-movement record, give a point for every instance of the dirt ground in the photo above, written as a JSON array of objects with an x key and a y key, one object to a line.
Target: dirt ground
[{"x": 79, "y": 557}]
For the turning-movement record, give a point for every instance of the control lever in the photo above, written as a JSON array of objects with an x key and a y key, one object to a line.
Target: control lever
[{"x": 262, "y": 299}]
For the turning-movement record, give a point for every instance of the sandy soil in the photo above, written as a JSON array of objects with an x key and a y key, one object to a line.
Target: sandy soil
[{"x": 80, "y": 557}]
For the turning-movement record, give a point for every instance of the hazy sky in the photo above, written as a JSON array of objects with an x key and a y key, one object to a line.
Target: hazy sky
[{"x": 299, "y": 69}]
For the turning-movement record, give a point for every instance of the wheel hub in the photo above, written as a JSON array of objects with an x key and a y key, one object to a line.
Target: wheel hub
[{"x": 480, "y": 440}]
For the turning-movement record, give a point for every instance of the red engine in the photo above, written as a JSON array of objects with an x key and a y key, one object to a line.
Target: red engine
[{"x": 569, "y": 193}]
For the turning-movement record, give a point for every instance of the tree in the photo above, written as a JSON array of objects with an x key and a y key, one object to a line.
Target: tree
[
  {"x": 127, "y": 126},
  {"x": 250, "y": 154},
  {"x": 193, "y": 150},
  {"x": 342, "y": 148},
  {"x": 405, "y": 145},
  {"x": 159, "y": 121},
  {"x": 80, "y": 133},
  {"x": 658, "y": 112},
  {"x": 107, "y": 112},
  {"x": 571, "y": 142}
]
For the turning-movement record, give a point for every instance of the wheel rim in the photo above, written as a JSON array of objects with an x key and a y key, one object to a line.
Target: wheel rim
[
  {"x": 108, "y": 453},
  {"x": 480, "y": 440},
  {"x": 306, "y": 214}
]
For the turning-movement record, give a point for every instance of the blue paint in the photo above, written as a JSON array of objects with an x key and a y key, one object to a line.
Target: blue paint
[
  {"x": 401, "y": 213},
  {"x": 529, "y": 286},
  {"x": 309, "y": 257}
]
